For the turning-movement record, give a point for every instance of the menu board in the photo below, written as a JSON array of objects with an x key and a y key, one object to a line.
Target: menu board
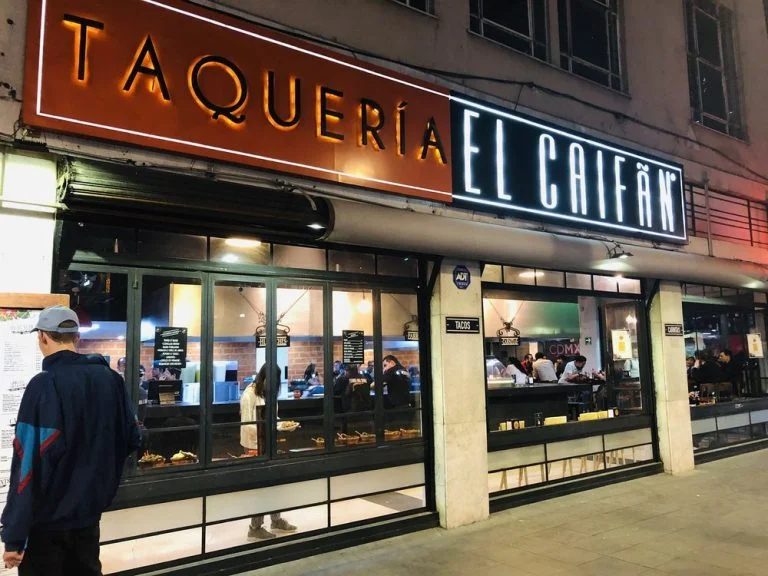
[
  {"x": 20, "y": 360},
  {"x": 171, "y": 347},
  {"x": 353, "y": 346},
  {"x": 755, "y": 345},
  {"x": 622, "y": 344}
]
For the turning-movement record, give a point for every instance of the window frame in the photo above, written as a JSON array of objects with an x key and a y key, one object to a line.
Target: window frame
[
  {"x": 730, "y": 78},
  {"x": 566, "y": 58},
  {"x": 531, "y": 38},
  {"x": 430, "y": 6}
]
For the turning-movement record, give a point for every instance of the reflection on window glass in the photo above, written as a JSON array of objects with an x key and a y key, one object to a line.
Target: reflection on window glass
[
  {"x": 400, "y": 376},
  {"x": 239, "y": 386},
  {"x": 578, "y": 281},
  {"x": 397, "y": 266},
  {"x": 553, "y": 362},
  {"x": 353, "y": 361},
  {"x": 240, "y": 251},
  {"x": 301, "y": 354},
  {"x": 85, "y": 239},
  {"x": 169, "y": 389},
  {"x": 524, "y": 276},
  {"x": 352, "y": 262},
  {"x": 606, "y": 283},
  {"x": 492, "y": 273},
  {"x": 100, "y": 300},
  {"x": 164, "y": 245},
  {"x": 551, "y": 279},
  {"x": 298, "y": 257}
]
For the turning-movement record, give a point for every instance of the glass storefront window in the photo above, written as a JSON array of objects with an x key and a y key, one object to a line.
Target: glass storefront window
[
  {"x": 169, "y": 389},
  {"x": 353, "y": 393},
  {"x": 284, "y": 256},
  {"x": 397, "y": 266},
  {"x": 400, "y": 373},
  {"x": 578, "y": 281},
  {"x": 352, "y": 262},
  {"x": 301, "y": 357},
  {"x": 574, "y": 359},
  {"x": 520, "y": 276},
  {"x": 492, "y": 273},
  {"x": 240, "y": 251},
  {"x": 240, "y": 398},
  {"x": 100, "y": 300},
  {"x": 166, "y": 245}
]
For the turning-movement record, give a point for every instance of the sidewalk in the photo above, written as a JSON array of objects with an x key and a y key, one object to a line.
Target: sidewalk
[{"x": 713, "y": 521}]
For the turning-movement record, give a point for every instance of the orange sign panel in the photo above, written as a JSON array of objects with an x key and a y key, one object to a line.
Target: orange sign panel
[{"x": 174, "y": 76}]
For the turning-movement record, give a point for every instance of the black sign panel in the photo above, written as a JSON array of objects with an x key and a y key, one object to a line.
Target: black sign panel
[
  {"x": 462, "y": 325},
  {"x": 171, "y": 347},
  {"x": 283, "y": 341},
  {"x": 514, "y": 165},
  {"x": 353, "y": 346},
  {"x": 412, "y": 335},
  {"x": 509, "y": 341},
  {"x": 673, "y": 330}
]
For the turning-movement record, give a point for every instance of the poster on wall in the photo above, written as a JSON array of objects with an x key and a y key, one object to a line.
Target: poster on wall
[
  {"x": 755, "y": 345},
  {"x": 20, "y": 361},
  {"x": 171, "y": 347},
  {"x": 622, "y": 344}
]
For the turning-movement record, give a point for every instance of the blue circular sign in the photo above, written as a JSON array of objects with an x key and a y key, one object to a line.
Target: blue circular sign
[{"x": 462, "y": 277}]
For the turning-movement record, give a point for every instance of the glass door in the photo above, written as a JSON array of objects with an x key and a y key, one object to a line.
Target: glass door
[{"x": 168, "y": 387}]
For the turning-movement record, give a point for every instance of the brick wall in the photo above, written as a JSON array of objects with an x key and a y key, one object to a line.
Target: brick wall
[{"x": 115, "y": 349}]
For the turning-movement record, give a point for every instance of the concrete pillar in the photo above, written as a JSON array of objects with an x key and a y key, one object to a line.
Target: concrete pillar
[
  {"x": 589, "y": 326},
  {"x": 458, "y": 380},
  {"x": 669, "y": 372},
  {"x": 26, "y": 230}
]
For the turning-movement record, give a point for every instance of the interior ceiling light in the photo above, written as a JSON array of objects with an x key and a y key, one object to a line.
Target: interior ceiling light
[
  {"x": 229, "y": 258},
  {"x": 364, "y": 305},
  {"x": 242, "y": 243},
  {"x": 316, "y": 226},
  {"x": 618, "y": 252}
]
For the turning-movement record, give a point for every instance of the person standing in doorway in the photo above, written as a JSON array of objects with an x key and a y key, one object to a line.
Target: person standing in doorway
[
  {"x": 74, "y": 431},
  {"x": 253, "y": 414}
]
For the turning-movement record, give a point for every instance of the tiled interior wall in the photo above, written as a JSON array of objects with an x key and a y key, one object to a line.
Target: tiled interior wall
[{"x": 300, "y": 354}]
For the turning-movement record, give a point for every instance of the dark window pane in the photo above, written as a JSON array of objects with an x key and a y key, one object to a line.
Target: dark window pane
[
  {"x": 474, "y": 7},
  {"x": 709, "y": 42},
  {"x": 562, "y": 9},
  {"x": 690, "y": 32},
  {"x": 84, "y": 239},
  {"x": 729, "y": 60},
  {"x": 420, "y": 5},
  {"x": 397, "y": 266},
  {"x": 540, "y": 51},
  {"x": 540, "y": 20},
  {"x": 693, "y": 88},
  {"x": 708, "y": 6},
  {"x": 714, "y": 124},
  {"x": 353, "y": 262},
  {"x": 474, "y": 24},
  {"x": 590, "y": 73},
  {"x": 589, "y": 32},
  {"x": 506, "y": 38},
  {"x": 712, "y": 95},
  {"x": 161, "y": 245},
  {"x": 512, "y": 14}
]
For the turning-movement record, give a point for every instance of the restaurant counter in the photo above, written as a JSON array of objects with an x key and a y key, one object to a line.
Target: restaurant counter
[{"x": 525, "y": 401}]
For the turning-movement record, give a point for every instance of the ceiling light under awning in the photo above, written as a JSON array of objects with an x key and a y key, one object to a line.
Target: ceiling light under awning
[{"x": 242, "y": 243}]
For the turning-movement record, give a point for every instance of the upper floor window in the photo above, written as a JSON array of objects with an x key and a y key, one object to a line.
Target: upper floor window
[
  {"x": 590, "y": 40},
  {"x": 519, "y": 24},
  {"x": 713, "y": 82},
  {"x": 427, "y": 6}
]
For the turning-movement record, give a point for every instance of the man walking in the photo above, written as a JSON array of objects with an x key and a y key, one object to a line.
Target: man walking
[{"x": 74, "y": 431}]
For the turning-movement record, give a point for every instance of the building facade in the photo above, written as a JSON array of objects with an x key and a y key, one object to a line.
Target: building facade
[{"x": 294, "y": 186}]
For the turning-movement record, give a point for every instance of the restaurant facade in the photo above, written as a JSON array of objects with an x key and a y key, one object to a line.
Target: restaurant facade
[{"x": 240, "y": 215}]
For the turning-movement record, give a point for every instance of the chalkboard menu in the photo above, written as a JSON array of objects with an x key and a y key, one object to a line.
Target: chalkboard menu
[
  {"x": 171, "y": 347},
  {"x": 353, "y": 346}
]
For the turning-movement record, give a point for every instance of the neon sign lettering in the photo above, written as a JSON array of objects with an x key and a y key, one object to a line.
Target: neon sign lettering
[{"x": 527, "y": 163}]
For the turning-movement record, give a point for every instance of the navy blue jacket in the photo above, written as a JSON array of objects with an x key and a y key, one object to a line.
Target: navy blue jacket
[{"x": 74, "y": 431}]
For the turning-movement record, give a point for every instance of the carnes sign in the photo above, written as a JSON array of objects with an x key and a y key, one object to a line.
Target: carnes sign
[{"x": 171, "y": 75}]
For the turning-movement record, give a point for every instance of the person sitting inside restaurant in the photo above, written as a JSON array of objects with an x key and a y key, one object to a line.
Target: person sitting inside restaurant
[
  {"x": 516, "y": 371},
  {"x": 705, "y": 369},
  {"x": 527, "y": 364},
  {"x": 543, "y": 369},
  {"x": 560, "y": 363},
  {"x": 575, "y": 372},
  {"x": 690, "y": 362}
]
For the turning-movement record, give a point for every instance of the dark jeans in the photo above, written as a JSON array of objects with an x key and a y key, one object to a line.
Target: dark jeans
[{"x": 62, "y": 553}]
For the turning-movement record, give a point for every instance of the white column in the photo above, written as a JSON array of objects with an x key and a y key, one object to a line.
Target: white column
[
  {"x": 26, "y": 231},
  {"x": 669, "y": 371},
  {"x": 458, "y": 380},
  {"x": 589, "y": 326}
]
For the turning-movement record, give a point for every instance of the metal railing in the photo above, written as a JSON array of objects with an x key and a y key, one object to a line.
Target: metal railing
[{"x": 725, "y": 216}]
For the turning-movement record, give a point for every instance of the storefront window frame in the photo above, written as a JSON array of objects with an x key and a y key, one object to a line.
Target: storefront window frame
[
  {"x": 275, "y": 278},
  {"x": 574, "y": 430}
]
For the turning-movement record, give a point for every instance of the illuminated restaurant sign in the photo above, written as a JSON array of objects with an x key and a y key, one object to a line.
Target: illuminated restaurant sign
[
  {"x": 174, "y": 76},
  {"x": 515, "y": 165}
]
